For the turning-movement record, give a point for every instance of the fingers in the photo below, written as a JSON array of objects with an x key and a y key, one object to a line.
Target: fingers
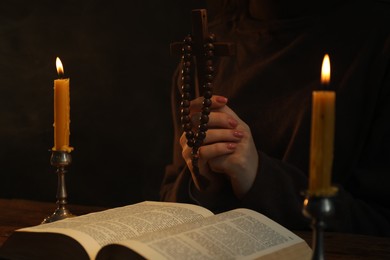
[
  {"x": 217, "y": 143},
  {"x": 228, "y": 147},
  {"x": 216, "y": 120},
  {"x": 216, "y": 102},
  {"x": 213, "y": 136},
  {"x": 208, "y": 152},
  {"x": 222, "y": 120},
  {"x": 223, "y": 135}
]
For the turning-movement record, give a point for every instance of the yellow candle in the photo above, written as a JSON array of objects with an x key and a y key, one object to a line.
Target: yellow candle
[
  {"x": 61, "y": 111},
  {"x": 322, "y": 135}
]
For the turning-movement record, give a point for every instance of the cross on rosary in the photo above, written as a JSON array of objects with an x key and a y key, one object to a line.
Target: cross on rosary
[{"x": 198, "y": 52}]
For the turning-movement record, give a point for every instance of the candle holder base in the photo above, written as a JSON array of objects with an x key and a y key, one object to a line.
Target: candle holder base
[
  {"x": 60, "y": 159},
  {"x": 319, "y": 208},
  {"x": 59, "y": 214}
]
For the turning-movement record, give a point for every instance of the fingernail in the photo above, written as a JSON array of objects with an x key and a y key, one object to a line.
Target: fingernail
[
  {"x": 238, "y": 134},
  {"x": 232, "y": 122},
  {"x": 231, "y": 146},
  {"x": 222, "y": 99}
]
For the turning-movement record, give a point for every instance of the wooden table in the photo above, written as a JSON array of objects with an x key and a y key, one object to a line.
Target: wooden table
[
  {"x": 15, "y": 214},
  {"x": 352, "y": 247}
]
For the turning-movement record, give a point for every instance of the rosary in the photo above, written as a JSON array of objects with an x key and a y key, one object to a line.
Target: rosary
[
  {"x": 198, "y": 50},
  {"x": 195, "y": 139}
]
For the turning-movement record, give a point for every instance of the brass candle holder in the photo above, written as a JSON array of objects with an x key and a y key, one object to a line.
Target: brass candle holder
[
  {"x": 319, "y": 207},
  {"x": 60, "y": 160}
]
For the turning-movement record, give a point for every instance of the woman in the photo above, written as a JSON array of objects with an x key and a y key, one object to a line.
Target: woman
[{"x": 256, "y": 150}]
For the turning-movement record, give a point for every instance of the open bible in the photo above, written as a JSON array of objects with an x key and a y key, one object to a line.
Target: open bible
[{"x": 158, "y": 230}]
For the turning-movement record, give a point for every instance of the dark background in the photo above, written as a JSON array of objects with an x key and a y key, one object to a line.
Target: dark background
[{"x": 116, "y": 54}]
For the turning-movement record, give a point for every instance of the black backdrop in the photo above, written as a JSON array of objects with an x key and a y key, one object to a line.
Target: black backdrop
[{"x": 116, "y": 54}]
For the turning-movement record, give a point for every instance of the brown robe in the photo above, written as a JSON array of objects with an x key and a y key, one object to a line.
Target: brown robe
[{"x": 269, "y": 85}]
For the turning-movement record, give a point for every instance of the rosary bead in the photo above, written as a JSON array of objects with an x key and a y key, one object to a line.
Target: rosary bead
[
  {"x": 186, "y": 70},
  {"x": 201, "y": 135},
  {"x": 203, "y": 127},
  {"x": 209, "y": 69},
  {"x": 185, "y": 111},
  {"x": 208, "y": 86},
  {"x": 186, "y": 95},
  {"x": 209, "y": 46},
  {"x": 185, "y": 119},
  {"x": 187, "y": 48},
  {"x": 188, "y": 39},
  {"x": 204, "y": 119},
  {"x": 206, "y": 102},
  {"x": 209, "y": 63},
  {"x": 187, "y": 127},
  {"x": 187, "y": 56},
  {"x": 211, "y": 37},
  {"x": 185, "y": 103},
  {"x": 207, "y": 94},
  {"x": 190, "y": 143},
  {"x": 186, "y": 87},
  {"x": 198, "y": 143},
  {"x": 187, "y": 64},
  {"x": 195, "y": 154},
  {"x": 189, "y": 135},
  {"x": 206, "y": 111},
  {"x": 209, "y": 54},
  {"x": 186, "y": 79},
  {"x": 209, "y": 77}
]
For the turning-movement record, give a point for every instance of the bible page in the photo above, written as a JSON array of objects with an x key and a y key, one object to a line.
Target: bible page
[
  {"x": 236, "y": 234},
  {"x": 95, "y": 230}
]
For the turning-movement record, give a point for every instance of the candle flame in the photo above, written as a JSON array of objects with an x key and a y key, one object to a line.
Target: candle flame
[
  {"x": 60, "y": 68},
  {"x": 325, "y": 71}
]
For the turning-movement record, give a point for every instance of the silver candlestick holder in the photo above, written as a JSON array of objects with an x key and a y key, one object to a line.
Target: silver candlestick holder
[
  {"x": 319, "y": 207},
  {"x": 60, "y": 160}
]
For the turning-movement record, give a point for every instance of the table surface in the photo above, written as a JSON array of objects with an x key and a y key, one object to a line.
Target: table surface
[{"x": 16, "y": 213}]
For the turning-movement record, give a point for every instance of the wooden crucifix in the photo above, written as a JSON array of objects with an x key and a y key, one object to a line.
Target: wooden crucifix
[{"x": 199, "y": 35}]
